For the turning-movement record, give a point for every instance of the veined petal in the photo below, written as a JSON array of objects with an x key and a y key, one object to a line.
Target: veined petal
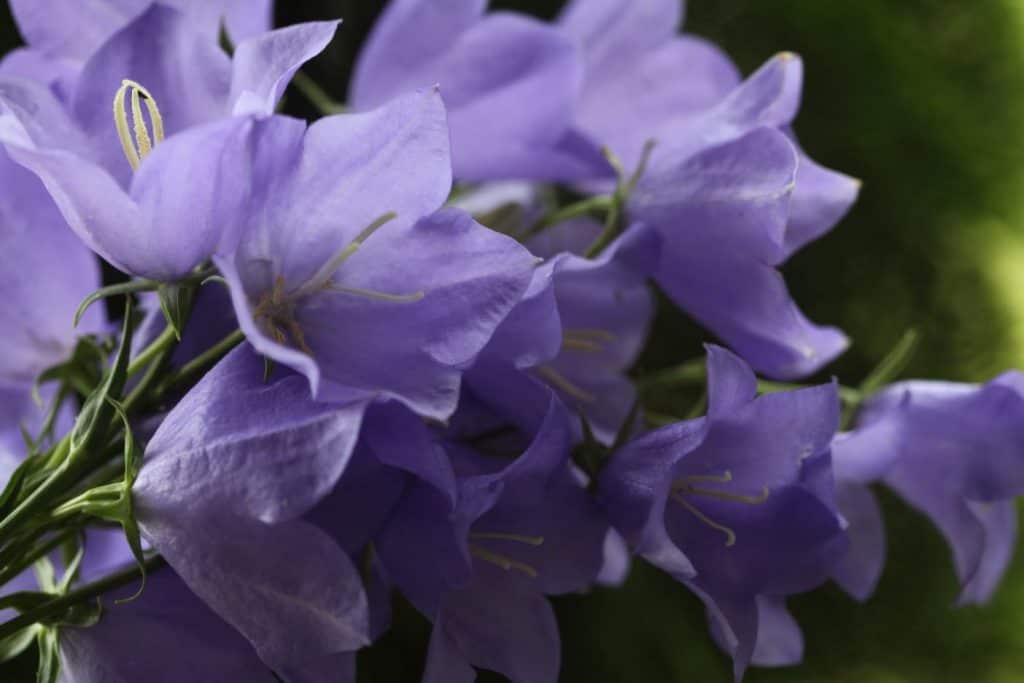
[
  {"x": 263, "y": 451},
  {"x": 614, "y": 33},
  {"x": 71, "y": 30}
]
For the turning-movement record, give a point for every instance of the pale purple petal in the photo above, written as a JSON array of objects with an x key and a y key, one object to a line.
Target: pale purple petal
[{"x": 263, "y": 64}]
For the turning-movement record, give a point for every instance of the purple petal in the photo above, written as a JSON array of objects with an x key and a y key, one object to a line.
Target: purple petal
[
  {"x": 71, "y": 30},
  {"x": 731, "y": 382},
  {"x": 41, "y": 294},
  {"x": 820, "y": 200},
  {"x": 488, "y": 69},
  {"x": 493, "y": 626},
  {"x": 262, "y": 451},
  {"x": 288, "y": 587},
  {"x": 263, "y": 64},
  {"x": 615, "y": 33},
  {"x": 245, "y": 19},
  {"x": 999, "y": 521},
  {"x": 165, "y": 633},
  {"x": 780, "y": 642},
  {"x": 860, "y": 569}
]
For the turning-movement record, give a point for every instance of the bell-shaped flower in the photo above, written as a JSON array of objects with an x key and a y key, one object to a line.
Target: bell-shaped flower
[
  {"x": 738, "y": 504},
  {"x": 723, "y": 215},
  {"x": 226, "y": 481},
  {"x": 480, "y": 570},
  {"x": 348, "y": 273},
  {"x": 510, "y": 83},
  {"x": 953, "y": 451},
  {"x": 578, "y": 330},
  {"x": 156, "y": 186}
]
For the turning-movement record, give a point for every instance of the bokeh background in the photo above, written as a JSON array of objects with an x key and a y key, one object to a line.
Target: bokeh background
[{"x": 924, "y": 101}]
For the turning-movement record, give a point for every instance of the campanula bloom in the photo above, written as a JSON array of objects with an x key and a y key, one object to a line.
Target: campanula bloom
[
  {"x": 349, "y": 273},
  {"x": 510, "y": 83},
  {"x": 155, "y": 187},
  {"x": 226, "y": 480},
  {"x": 578, "y": 330},
  {"x": 954, "y": 452},
  {"x": 738, "y": 504}
]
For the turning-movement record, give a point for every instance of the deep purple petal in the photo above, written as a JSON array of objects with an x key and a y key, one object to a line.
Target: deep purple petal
[
  {"x": 860, "y": 569},
  {"x": 1000, "y": 523},
  {"x": 165, "y": 633}
]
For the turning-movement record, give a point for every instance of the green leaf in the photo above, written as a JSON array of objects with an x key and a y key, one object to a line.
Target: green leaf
[
  {"x": 49, "y": 656},
  {"x": 16, "y": 643},
  {"x": 93, "y": 421}
]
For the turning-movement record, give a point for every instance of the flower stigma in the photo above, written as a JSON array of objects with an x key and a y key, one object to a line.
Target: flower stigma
[
  {"x": 275, "y": 311},
  {"x": 690, "y": 485},
  {"x": 136, "y": 140}
]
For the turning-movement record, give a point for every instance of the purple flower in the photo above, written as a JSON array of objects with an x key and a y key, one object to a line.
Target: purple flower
[
  {"x": 227, "y": 479},
  {"x": 739, "y": 504},
  {"x": 479, "y": 566},
  {"x": 578, "y": 330},
  {"x": 510, "y": 84},
  {"x": 953, "y": 451},
  {"x": 172, "y": 202},
  {"x": 165, "y": 633},
  {"x": 347, "y": 275}
]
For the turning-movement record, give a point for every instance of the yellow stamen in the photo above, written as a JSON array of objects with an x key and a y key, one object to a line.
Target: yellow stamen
[
  {"x": 502, "y": 561},
  {"x": 498, "y": 536},
  {"x": 136, "y": 140},
  {"x": 563, "y": 384}
]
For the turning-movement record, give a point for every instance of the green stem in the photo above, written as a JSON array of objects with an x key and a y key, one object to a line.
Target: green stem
[
  {"x": 580, "y": 208},
  {"x": 165, "y": 341},
  {"x": 59, "y": 605},
  {"x": 690, "y": 372},
  {"x": 201, "y": 362},
  {"x": 316, "y": 95},
  {"x": 25, "y": 560}
]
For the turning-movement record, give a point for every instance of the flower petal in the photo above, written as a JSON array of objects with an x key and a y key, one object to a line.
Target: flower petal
[{"x": 860, "y": 569}]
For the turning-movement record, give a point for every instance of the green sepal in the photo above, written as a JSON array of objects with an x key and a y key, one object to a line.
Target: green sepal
[
  {"x": 175, "y": 302},
  {"x": 121, "y": 289},
  {"x": 16, "y": 643},
  {"x": 113, "y": 502},
  {"x": 49, "y": 656},
  {"x": 93, "y": 421}
]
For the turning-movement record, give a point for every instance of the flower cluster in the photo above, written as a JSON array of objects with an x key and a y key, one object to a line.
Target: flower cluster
[{"x": 391, "y": 351}]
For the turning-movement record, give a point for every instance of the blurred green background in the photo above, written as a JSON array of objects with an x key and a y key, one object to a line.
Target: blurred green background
[{"x": 922, "y": 100}]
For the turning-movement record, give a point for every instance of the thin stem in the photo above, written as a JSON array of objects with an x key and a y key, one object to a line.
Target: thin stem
[
  {"x": 316, "y": 95},
  {"x": 689, "y": 372},
  {"x": 201, "y": 362},
  {"x": 166, "y": 340},
  {"x": 580, "y": 208},
  {"x": 25, "y": 560},
  {"x": 85, "y": 593}
]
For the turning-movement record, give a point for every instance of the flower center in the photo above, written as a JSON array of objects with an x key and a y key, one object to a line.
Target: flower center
[
  {"x": 694, "y": 486},
  {"x": 503, "y": 561},
  {"x": 136, "y": 140}
]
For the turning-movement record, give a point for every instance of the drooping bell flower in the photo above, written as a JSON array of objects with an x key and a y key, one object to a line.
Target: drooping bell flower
[
  {"x": 738, "y": 505},
  {"x": 226, "y": 480},
  {"x": 952, "y": 451},
  {"x": 578, "y": 330},
  {"x": 348, "y": 272},
  {"x": 155, "y": 187},
  {"x": 480, "y": 566},
  {"x": 510, "y": 83}
]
